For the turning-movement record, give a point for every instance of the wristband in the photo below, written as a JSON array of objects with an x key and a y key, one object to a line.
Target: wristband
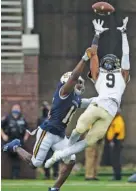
[{"x": 85, "y": 57}]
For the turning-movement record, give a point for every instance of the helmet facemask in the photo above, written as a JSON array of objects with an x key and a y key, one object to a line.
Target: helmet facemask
[
  {"x": 110, "y": 62},
  {"x": 80, "y": 86}
]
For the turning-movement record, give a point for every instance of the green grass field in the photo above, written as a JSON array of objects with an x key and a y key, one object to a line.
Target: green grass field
[{"x": 78, "y": 184}]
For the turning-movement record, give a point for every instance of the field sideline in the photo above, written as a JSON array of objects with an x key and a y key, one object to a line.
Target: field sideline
[{"x": 41, "y": 185}]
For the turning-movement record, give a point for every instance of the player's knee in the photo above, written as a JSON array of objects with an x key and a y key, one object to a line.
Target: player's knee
[
  {"x": 82, "y": 124},
  {"x": 92, "y": 140},
  {"x": 36, "y": 163}
]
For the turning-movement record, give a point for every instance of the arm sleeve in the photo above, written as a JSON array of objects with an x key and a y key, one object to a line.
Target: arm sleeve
[
  {"x": 125, "y": 62},
  {"x": 85, "y": 102}
]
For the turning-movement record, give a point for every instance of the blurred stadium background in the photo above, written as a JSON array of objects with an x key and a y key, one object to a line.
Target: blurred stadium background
[{"x": 42, "y": 39}]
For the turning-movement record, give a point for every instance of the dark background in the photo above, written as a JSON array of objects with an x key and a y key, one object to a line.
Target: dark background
[{"x": 66, "y": 30}]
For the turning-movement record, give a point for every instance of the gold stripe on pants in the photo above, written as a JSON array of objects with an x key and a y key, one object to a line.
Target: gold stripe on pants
[{"x": 39, "y": 143}]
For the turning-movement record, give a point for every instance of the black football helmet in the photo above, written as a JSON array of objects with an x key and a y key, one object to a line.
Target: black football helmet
[{"x": 110, "y": 62}]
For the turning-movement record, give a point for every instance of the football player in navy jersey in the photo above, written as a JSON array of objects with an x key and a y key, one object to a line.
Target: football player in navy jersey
[{"x": 51, "y": 134}]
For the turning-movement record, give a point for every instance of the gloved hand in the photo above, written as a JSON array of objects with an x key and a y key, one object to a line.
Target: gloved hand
[
  {"x": 98, "y": 26},
  {"x": 91, "y": 51},
  {"x": 124, "y": 27}
]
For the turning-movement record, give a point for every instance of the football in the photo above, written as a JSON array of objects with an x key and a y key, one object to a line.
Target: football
[{"x": 103, "y": 8}]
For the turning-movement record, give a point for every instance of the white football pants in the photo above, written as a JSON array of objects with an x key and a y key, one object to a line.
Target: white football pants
[
  {"x": 45, "y": 141},
  {"x": 95, "y": 120}
]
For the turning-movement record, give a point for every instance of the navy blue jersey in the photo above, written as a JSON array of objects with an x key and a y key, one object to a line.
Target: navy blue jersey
[{"x": 61, "y": 112}]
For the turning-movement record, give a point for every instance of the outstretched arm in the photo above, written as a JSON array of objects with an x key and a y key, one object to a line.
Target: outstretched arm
[
  {"x": 94, "y": 68},
  {"x": 94, "y": 62},
  {"x": 125, "y": 62},
  {"x": 70, "y": 84}
]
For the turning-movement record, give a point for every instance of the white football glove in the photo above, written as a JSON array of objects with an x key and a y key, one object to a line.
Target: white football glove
[
  {"x": 124, "y": 27},
  {"x": 98, "y": 26}
]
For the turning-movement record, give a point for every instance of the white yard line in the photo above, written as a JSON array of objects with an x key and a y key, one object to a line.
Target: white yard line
[{"x": 42, "y": 184}]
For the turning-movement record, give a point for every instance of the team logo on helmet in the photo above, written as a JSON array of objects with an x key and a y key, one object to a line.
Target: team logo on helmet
[{"x": 65, "y": 77}]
